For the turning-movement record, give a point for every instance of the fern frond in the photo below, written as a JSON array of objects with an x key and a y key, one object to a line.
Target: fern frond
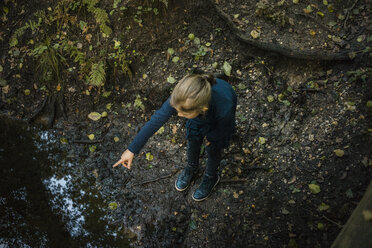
[{"x": 97, "y": 75}]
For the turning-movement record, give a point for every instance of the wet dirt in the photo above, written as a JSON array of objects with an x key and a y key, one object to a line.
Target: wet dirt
[{"x": 292, "y": 116}]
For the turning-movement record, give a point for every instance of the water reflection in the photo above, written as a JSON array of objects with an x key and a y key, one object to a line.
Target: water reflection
[{"x": 45, "y": 200}]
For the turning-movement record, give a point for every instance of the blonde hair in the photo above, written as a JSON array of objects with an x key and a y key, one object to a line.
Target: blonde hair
[{"x": 193, "y": 93}]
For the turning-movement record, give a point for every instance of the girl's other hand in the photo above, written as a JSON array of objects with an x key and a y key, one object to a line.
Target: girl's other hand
[{"x": 126, "y": 159}]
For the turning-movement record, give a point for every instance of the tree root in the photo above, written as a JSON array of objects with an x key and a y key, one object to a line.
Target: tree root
[
  {"x": 286, "y": 51},
  {"x": 38, "y": 110}
]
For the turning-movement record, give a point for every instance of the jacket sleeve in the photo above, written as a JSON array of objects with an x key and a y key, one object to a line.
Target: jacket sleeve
[{"x": 158, "y": 119}]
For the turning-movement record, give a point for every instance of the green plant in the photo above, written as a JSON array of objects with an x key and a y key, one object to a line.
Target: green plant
[
  {"x": 49, "y": 61},
  {"x": 100, "y": 15},
  {"x": 97, "y": 74}
]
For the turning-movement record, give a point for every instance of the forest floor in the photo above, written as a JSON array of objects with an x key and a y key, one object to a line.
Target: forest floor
[{"x": 297, "y": 168}]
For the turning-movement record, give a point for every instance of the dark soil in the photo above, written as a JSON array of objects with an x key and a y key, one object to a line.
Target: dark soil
[{"x": 304, "y": 110}]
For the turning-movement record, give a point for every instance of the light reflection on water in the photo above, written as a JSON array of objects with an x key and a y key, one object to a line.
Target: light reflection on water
[{"x": 46, "y": 199}]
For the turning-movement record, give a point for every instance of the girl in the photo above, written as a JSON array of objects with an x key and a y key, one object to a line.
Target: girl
[{"x": 209, "y": 105}]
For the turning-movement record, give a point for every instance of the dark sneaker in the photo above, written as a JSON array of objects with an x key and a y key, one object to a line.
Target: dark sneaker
[
  {"x": 205, "y": 188},
  {"x": 184, "y": 178}
]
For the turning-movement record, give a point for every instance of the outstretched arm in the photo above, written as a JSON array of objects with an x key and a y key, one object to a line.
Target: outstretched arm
[{"x": 158, "y": 119}]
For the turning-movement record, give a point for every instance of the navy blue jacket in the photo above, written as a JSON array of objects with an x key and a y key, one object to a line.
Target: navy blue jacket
[{"x": 217, "y": 124}]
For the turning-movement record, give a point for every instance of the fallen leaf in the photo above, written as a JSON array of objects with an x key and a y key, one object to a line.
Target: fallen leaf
[
  {"x": 92, "y": 148},
  {"x": 314, "y": 188},
  {"x": 236, "y": 195},
  {"x": 270, "y": 98},
  {"x": 174, "y": 128},
  {"x": 170, "y": 51},
  {"x": 227, "y": 68},
  {"x": 104, "y": 114},
  {"x": 27, "y": 92},
  {"x": 312, "y": 32},
  {"x": 191, "y": 36},
  {"x": 116, "y": 139},
  {"x": 255, "y": 34},
  {"x": 285, "y": 211},
  {"x": 91, "y": 136},
  {"x": 323, "y": 207},
  {"x": 106, "y": 94},
  {"x": 95, "y": 116},
  {"x": 113, "y": 205},
  {"x": 108, "y": 106},
  {"x": 175, "y": 59},
  {"x": 320, "y": 226},
  {"x": 339, "y": 153},
  {"x": 88, "y": 37},
  {"x": 171, "y": 79},
  {"x": 149, "y": 156},
  {"x": 262, "y": 140},
  {"x": 63, "y": 140}
]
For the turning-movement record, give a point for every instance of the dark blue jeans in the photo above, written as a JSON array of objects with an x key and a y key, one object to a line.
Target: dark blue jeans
[{"x": 213, "y": 154}]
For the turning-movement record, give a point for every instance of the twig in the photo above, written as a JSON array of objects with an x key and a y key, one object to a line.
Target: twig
[
  {"x": 237, "y": 180},
  {"x": 156, "y": 179},
  {"x": 87, "y": 141},
  {"x": 312, "y": 90},
  {"x": 334, "y": 222},
  {"x": 315, "y": 20},
  {"x": 348, "y": 12}
]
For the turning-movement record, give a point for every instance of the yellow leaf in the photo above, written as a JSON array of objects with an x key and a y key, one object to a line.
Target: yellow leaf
[
  {"x": 58, "y": 88},
  {"x": 262, "y": 140},
  {"x": 149, "y": 156},
  {"x": 255, "y": 34},
  {"x": 91, "y": 136},
  {"x": 27, "y": 92},
  {"x": 312, "y": 32},
  {"x": 94, "y": 116},
  {"x": 113, "y": 205},
  {"x": 104, "y": 114},
  {"x": 339, "y": 152},
  {"x": 116, "y": 139}
]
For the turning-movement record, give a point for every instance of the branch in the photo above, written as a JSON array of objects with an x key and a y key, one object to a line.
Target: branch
[
  {"x": 286, "y": 51},
  {"x": 156, "y": 179}
]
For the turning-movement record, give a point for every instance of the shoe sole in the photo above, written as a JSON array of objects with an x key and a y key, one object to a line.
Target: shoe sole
[
  {"x": 209, "y": 192},
  {"x": 178, "y": 189}
]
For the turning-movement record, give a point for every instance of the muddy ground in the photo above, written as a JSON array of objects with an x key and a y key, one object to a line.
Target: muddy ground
[{"x": 299, "y": 123}]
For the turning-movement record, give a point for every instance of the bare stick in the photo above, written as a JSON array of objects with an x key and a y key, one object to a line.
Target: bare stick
[
  {"x": 87, "y": 141},
  {"x": 334, "y": 222}
]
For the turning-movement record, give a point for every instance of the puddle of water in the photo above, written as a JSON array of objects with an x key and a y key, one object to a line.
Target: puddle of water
[{"x": 46, "y": 200}]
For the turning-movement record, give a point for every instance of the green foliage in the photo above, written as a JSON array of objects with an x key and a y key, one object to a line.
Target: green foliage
[
  {"x": 56, "y": 50},
  {"x": 97, "y": 74},
  {"x": 49, "y": 61},
  {"x": 100, "y": 15},
  {"x": 362, "y": 73}
]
